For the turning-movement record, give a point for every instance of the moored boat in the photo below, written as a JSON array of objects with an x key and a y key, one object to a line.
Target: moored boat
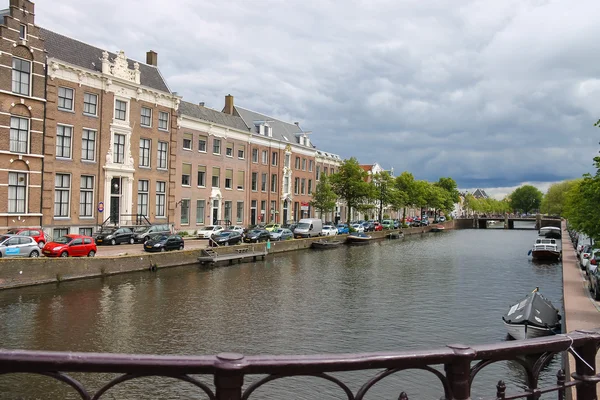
[
  {"x": 545, "y": 249},
  {"x": 358, "y": 238},
  {"x": 550, "y": 232},
  {"x": 533, "y": 316},
  {"x": 325, "y": 244},
  {"x": 437, "y": 228}
]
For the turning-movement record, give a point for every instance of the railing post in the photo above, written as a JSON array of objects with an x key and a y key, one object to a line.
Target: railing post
[
  {"x": 458, "y": 371},
  {"x": 587, "y": 352},
  {"x": 228, "y": 379}
]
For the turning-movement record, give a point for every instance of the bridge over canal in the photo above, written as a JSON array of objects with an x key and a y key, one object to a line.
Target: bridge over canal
[{"x": 483, "y": 222}]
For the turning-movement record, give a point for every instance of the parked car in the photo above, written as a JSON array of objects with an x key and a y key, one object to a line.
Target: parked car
[
  {"x": 442, "y": 218},
  {"x": 281, "y": 234},
  {"x": 207, "y": 231},
  {"x": 71, "y": 245},
  {"x": 36, "y": 233},
  {"x": 142, "y": 234},
  {"x": 225, "y": 238},
  {"x": 343, "y": 229},
  {"x": 329, "y": 230},
  {"x": 164, "y": 243},
  {"x": 595, "y": 283},
  {"x": 358, "y": 228},
  {"x": 18, "y": 246},
  {"x": 257, "y": 235},
  {"x": 387, "y": 224},
  {"x": 308, "y": 227},
  {"x": 592, "y": 264},
  {"x": 237, "y": 228},
  {"x": 115, "y": 236},
  {"x": 270, "y": 227},
  {"x": 377, "y": 227},
  {"x": 584, "y": 256},
  {"x": 396, "y": 224},
  {"x": 425, "y": 222},
  {"x": 368, "y": 226}
]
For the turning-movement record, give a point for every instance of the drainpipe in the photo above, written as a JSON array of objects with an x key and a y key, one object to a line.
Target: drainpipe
[
  {"x": 99, "y": 158},
  {"x": 43, "y": 144}
]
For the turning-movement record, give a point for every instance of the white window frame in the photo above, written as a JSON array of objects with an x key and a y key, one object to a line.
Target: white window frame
[
  {"x": 17, "y": 193},
  {"x": 86, "y": 140},
  {"x": 65, "y": 99},
  {"x": 202, "y": 143},
  {"x": 143, "y": 117},
  {"x": 161, "y": 196},
  {"x": 86, "y": 192},
  {"x": 117, "y": 146},
  {"x": 19, "y": 73},
  {"x": 216, "y": 146},
  {"x": 61, "y": 147},
  {"x": 145, "y": 152},
  {"x": 118, "y": 111},
  {"x": 88, "y": 104},
  {"x": 166, "y": 157},
  {"x": 17, "y": 131},
  {"x": 200, "y": 215},
  {"x": 187, "y": 208},
  {"x": 143, "y": 197},
  {"x": 160, "y": 120},
  {"x": 61, "y": 191},
  {"x": 23, "y": 32}
]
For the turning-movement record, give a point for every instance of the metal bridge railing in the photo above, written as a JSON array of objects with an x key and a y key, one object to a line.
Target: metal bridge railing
[{"x": 461, "y": 365}]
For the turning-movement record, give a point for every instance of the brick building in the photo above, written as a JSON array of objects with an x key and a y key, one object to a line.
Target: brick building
[{"x": 22, "y": 106}]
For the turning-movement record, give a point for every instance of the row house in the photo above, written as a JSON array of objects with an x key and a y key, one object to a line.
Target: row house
[
  {"x": 22, "y": 106},
  {"x": 326, "y": 164},
  {"x": 110, "y": 139}
]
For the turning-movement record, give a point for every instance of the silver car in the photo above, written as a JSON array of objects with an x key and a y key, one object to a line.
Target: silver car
[{"x": 18, "y": 246}]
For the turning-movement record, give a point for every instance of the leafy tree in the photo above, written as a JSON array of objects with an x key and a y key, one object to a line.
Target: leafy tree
[
  {"x": 526, "y": 198},
  {"x": 554, "y": 200},
  {"x": 450, "y": 196},
  {"x": 350, "y": 183},
  {"x": 323, "y": 197},
  {"x": 405, "y": 186},
  {"x": 384, "y": 190}
]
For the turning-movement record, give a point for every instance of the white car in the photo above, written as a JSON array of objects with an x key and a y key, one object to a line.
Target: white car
[
  {"x": 237, "y": 228},
  {"x": 358, "y": 228},
  {"x": 207, "y": 231},
  {"x": 329, "y": 230}
]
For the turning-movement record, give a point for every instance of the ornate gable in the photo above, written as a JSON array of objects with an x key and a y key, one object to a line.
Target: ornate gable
[{"x": 119, "y": 67}]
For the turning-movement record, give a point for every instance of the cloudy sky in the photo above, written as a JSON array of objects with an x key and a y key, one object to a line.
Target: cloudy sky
[{"x": 490, "y": 93}]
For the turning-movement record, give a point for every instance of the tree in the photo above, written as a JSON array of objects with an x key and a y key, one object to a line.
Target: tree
[
  {"x": 526, "y": 198},
  {"x": 350, "y": 183},
  {"x": 554, "y": 200},
  {"x": 385, "y": 192},
  {"x": 451, "y": 195},
  {"x": 323, "y": 197},
  {"x": 405, "y": 186}
]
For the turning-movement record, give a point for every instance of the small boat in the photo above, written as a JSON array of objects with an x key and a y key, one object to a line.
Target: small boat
[
  {"x": 324, "y": 244},
  {"x": 395, "y": 235},
  {"x": 545, "y": 249},
  {"x": 551, "y": 232},
  {"x": 358, "y": 238},
  {"x": 533, "y": 316},
  {"x": 437, "y": 228}
]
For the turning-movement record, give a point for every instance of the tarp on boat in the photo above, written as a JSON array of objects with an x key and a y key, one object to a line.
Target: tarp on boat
[{"x": 535, "y": 310}]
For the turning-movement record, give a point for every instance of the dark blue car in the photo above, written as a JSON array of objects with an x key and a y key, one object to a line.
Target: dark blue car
[{"x": 343, "y": 228}]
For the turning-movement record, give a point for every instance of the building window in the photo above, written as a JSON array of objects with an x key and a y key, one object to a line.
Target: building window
[
  {"x": 162, "y": 155},
  {"x": 325, "y": 171},
  {"x": 63, "y": 141},
  {"x": 239, "y": 215},
  {"x": 228, "y": 179},
  {"x": 202, "y": 143},
  {"x": 90, "y": 104},
  {"x": 297, "y": 164},
  {"x": 310, "y": 165},
  {"x": 254, "y": 155},
  {"x": 200, "y": 207},
  {"x": 163, "y": 121},
  {"x": 23, "y": 32},
  {"x": 303, "y": 186},
  {"x": 273, "y": 209},
  {"x": 88, "y": 145},
  {"x": 318, "y": 172},
  {"x": 254, "y": 181},
  {"x": 17, "y": 188},
  {"x": 59, "y": 232},
  {"x": 144, "y": 152},
  {"x": 65, "y": 99},
  {"x": 265, "y": 157},
  {"x": 216, "y": 177},
  {"x": 120, "y": 110},
  {"x": 310, "y": 186},
  {"x": 19, "y": 134},
  {"x": 187, "y": 141},
  {"x": 287, "y": 161},
  {"x": 161, "y": 194},
  {"x": 263, "y": 182},
  {"x": 21, "y": 70},
  {"x": 185, "y": 211},
  {"x": 274, "y": 159},
  {"x": 286, "y": 184},
  {"x": 119, "y": 149},
  {"x": 263, "y": 209},
  {"x": 229, "y": 150},
  {"x": 86, "y": 196},
  {"x": 274, "y": 183},
  {"x": 240, "y": 180},
  {"x": 146, "y": 117},
  {"x": 142, "y": 200},
  {"x": 296, "y": 185},
  {"x": 241, "y": 150},
  {"x": 216, "y": 146},
  {"x": 201, "y": 175},
  {"x": 86, "y": 231},
  {"x": 228, "y": 211},
  {"x": 304, "y": 164},
  {"x": 62, "y": 194},
  {"x": 186, "y": 170}
]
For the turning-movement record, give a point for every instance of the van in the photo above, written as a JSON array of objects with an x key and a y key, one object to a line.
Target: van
[
  {"x": 144, "y": 233},
  {"x": 308, "y": 227}
]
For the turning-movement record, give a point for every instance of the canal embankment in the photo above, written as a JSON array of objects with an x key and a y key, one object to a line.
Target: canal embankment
[{"x": 19, "y": 272}]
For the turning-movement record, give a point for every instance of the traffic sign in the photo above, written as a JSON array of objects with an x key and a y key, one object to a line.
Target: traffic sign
[{"x": 101, "y": 206}]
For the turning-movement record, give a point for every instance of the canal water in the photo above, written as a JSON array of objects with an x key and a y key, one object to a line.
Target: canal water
[{"x": 421, "y": 292}]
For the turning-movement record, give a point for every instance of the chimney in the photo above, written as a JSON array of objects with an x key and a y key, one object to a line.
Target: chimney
[
  {"x": 152, "y": 58},
  {"x": 201, "y": 104},
  {"x": 228, "y": 105},
  {"x": 297, "y": 124}
]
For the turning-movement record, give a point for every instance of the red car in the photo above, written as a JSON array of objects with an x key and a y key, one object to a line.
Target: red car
[
  {"x": 377, "y": 226},
  {"x": 71, "y": 246},
  {"x": 36, "y": 233}
]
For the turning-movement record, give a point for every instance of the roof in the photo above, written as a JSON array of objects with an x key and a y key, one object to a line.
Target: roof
[
  {"x": 210, "y": 115},
  {"x": 480, "y": 194},
  {"x": 87, "y": 56},
  {"x": 367, "y": 168},
  {"x": 283, "y": 131}
]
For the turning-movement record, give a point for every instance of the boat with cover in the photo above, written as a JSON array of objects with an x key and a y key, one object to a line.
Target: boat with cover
[
  {"x": 551, "y": 232},
  {"x": 533, "y": 316},
  {"x": 437, "y": 228},
  {"x": 545, "y": 249},
  {"x": 358, "y": 238},
  {"x": 325, "y": 244}
]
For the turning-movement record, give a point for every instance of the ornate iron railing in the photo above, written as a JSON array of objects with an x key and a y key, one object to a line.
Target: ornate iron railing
[{"x": 461, "y": 365}]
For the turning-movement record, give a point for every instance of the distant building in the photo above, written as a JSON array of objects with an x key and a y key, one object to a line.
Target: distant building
[{"x": 480, "y": 194}]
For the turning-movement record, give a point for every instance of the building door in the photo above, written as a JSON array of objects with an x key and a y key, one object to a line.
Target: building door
[
  {"x": 285, "y": 212},
  {"x": 115, "y": 200},
  {"x": 215, "y": 212},
  {"x": 253, "y": 213}
]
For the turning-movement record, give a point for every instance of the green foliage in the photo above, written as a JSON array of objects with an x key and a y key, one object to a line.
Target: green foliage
[
  {"x": 526, "y": 198},
  {"x": 554, "y": 200},
  {"x": 386, "y": 216},
  {"x": 384, "y": 191},
  {"x": 183, "y": 233},
  {"x": 323, "y": 197},
  {"x": 350, "y": 184},
  {"x": 581, "y": 204}
]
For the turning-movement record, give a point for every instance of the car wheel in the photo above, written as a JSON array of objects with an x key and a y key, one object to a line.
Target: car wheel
[
  {"x": 92, "y": 253},
  {"x": 162, "y": 250},
  {"x": 64, "y": 254},
  {"x": 131, "y": 240},
  {"x": 180, "y": 247},
  {"x": 113, "y": 242},
  {"x": 41, "y": 244},
  {"x": 34, "y": 253}
]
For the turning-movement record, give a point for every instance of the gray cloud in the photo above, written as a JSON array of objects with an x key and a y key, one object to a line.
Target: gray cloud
[{"x": 491, "y": 93}]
